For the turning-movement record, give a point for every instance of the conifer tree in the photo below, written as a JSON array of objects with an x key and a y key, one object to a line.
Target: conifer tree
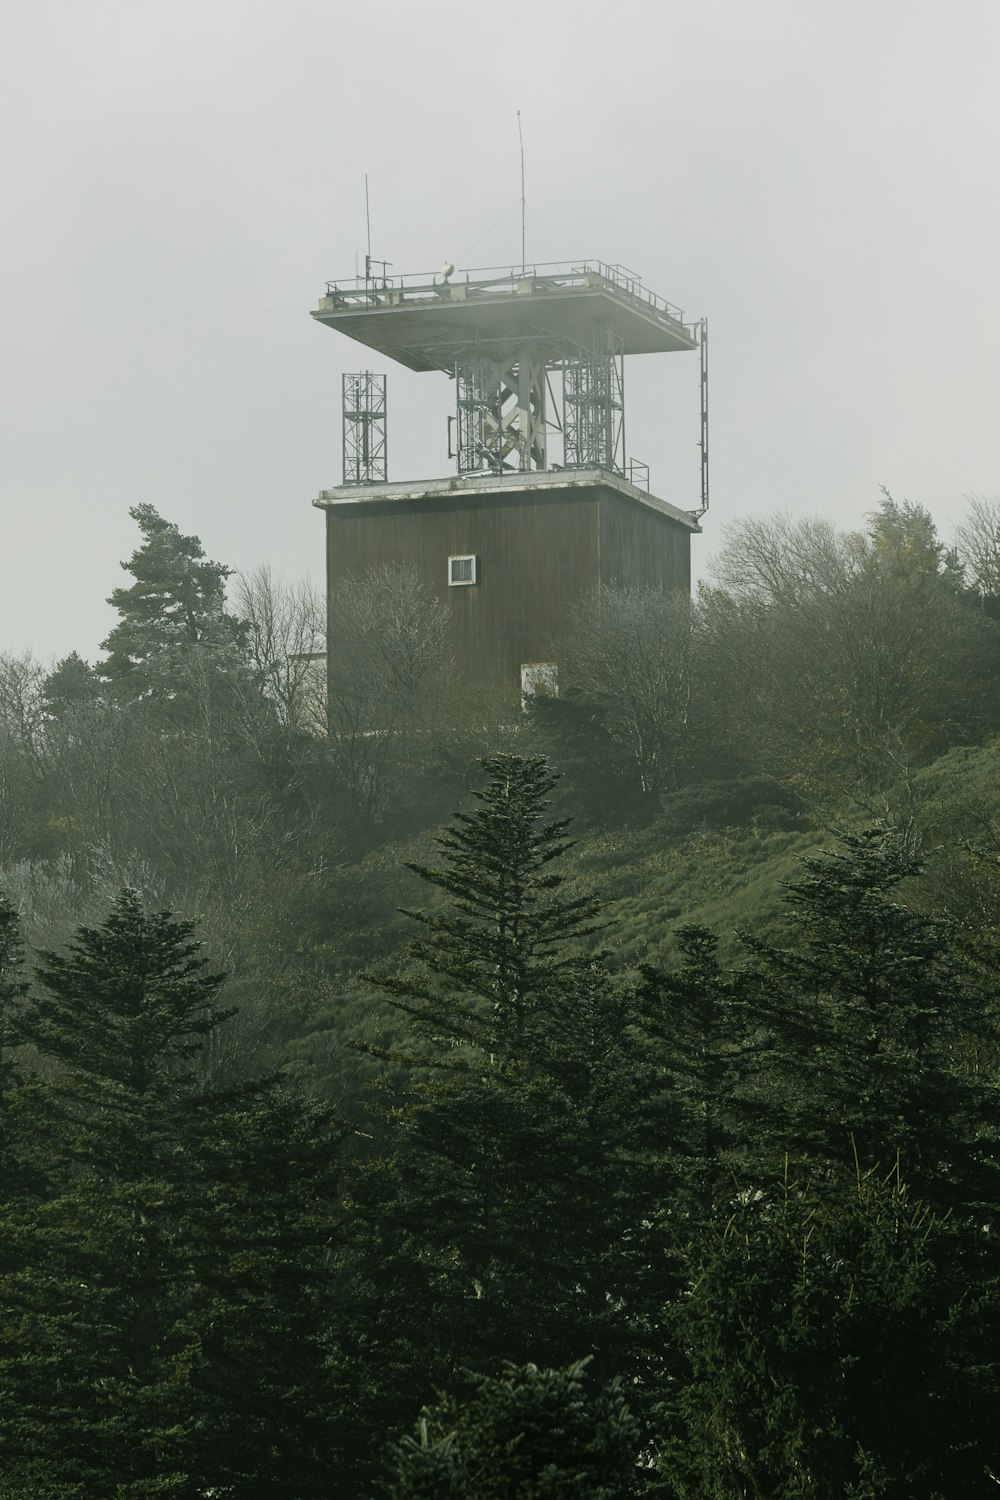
[
  {"x": 169, "y": 1278},
  {"x": 103, "y": 1284},
  {"x": 500, "y": 948},
  {"x": 702, "y": 1019},
  {"x": 524, "y": 1149},
  {"x": 870, "y": 1013},
  {"x": 261, "y": 1232},
  {"x": 12, "y": 986},
  {"x": 72, "y": 685},
  {"x": 174, "y": 609},
  {"x": 527, "y": 1433},
  {"x": 833, "y": 1347}
]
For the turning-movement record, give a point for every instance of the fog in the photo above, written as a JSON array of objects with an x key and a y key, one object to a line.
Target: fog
[{"x": 181, "y": 180}]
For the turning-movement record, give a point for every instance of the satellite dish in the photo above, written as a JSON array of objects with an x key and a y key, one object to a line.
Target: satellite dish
[{"x": 447, "y": 270}]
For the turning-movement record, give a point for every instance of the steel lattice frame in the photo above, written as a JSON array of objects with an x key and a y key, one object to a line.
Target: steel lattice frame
[
  {"x": 501, "y": 411},
  {"x": 504, "y": 334},
  {"x": 365, "y": 449},
  {"x": 703, "y": 439},
  {"x": 594, "y": 405}
]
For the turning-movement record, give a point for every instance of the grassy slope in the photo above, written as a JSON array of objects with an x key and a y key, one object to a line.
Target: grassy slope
[
  {"x": 725, "y": 879},
  {"x": 653, "y": 878}
]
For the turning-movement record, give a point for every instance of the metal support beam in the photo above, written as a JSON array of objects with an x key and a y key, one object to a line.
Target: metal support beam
[
  {"x": 703, "y": 438},
  {"x": 501, "y": 411},
  {"x": 365, "y": 449},
  {"x": 594, "y": 405}
]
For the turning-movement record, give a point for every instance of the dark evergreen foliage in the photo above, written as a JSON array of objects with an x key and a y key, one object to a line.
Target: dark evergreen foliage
[
  {"x": 834, "y": 1350},
  {"x": 14, "y": 1173},
  {"x": 502, "y": 944},
  {"x": 524, "y": 1156},
  {"x": 13, "y": 985},
  {"x": 872, "y": 1013},
  {"x": 71, "y": 685},
  {"x": 571, "y": 1155},
  {"x": 710, "y": 1055},
  {"x": 175, "y": 606},
  {"x": 166, "y": 1272},
  {"x": 528, "y": 1434}
]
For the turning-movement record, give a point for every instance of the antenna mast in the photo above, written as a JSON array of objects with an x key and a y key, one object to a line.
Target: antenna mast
[
  {"x": 368, "y": 227},
  {"x": 521, "y": 139}
]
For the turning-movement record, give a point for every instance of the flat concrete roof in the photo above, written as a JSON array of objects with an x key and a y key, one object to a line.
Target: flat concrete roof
[
  {"x": 538, "y": 482},
  {"x": 427, "y": 326}
]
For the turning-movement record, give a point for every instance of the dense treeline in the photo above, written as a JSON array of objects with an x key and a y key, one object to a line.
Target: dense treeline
[{"x": 623, "y": 1207}]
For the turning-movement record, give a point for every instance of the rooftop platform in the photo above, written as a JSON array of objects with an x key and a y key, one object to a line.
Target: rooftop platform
[
  {"x": 425, "y": 322},
  {"x": 538, "y": 482}
]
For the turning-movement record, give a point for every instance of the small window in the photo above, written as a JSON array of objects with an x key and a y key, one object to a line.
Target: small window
[{"x": 461, "y": 570}]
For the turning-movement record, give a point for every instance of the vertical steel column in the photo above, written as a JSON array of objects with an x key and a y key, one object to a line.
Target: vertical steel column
[
  {"x": 594, "y": 406},
  {"x": 364, "y": 444},
  {"x": 703, "y": 439},
  {"x": 500, "y": 413},
  {"x": 531, "y": 393},
  {"x": 479, "y": 427}
]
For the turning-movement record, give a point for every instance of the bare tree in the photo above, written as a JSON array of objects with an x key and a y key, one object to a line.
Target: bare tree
[
  {"x": 55, "y": 896},
  {"x": 285, "y": 639},
  {"x": 22, "y": 712},
  {"x": 977, "y": 542},
  {"x": 844, "y": 658},
  {"x": 775, "y": 560},
  {"x": 388, "y": 671},
  {"x": 21, "y": 748},
  {"x": 630, "y": 651}
]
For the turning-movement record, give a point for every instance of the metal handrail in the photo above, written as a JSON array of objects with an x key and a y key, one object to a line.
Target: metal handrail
[{"x": 366, "y": 291}]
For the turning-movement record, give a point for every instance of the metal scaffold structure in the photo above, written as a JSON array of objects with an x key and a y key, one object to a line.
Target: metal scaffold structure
[
  {"x": 500, "y": 412},
  {"x": 365, "y": 451},
  {"x": 509, "y": 338},
  {"x": 594, "y": 405}
]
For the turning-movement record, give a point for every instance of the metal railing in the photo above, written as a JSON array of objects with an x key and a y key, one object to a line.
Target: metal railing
[
  {"x": 552, "y": 276},
  {"x": 637, "y": 473}
]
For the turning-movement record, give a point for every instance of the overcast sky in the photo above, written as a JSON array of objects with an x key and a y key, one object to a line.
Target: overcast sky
[{"x": 180, "y": 179}]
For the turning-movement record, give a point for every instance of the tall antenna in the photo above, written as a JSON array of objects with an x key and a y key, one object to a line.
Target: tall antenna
[
  {"x": 521, "y": 139},
  {"x": 368, "y": 226}
]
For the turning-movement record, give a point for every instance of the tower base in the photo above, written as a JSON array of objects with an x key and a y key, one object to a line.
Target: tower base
[{"x": 512, "y": 554}]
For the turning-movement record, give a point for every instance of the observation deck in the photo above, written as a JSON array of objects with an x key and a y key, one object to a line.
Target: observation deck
[{"x": 427, "y": 321}]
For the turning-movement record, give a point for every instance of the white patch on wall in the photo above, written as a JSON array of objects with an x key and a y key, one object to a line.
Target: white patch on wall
[{"x": 539, "y": 679}]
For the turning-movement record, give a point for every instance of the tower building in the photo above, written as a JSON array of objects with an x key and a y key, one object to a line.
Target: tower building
[{"x": 544, "y": 504}]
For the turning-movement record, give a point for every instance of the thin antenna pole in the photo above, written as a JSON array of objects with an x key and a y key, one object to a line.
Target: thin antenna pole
[
  {"x": 368, "y": 226},
  {"x": 521, "y": 139}
]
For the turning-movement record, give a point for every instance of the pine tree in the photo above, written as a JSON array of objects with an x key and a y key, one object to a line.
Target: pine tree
[
  {"x": 528, "y": 1434},
  {"x": 870, "y": 1013},
  {"x": 169, "y": 1278},
  {"x": 173, "y": 615},
  {"x": 70, "y": 687},
  {"x": 834, "y": 1349},
  {"x": 102, "y": 1283},
  {"x": 12, "y": 989},
  {"x": 502, "y": 945},
  {"x": 703, "y": 1020},
  {"x": 523, "y": 1150},
  {"x": 261, "y": 1234},
  {"x": 16, "y": 1176}
]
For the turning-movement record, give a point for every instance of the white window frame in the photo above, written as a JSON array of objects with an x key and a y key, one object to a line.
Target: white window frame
[{"x": 462, "y": 557}]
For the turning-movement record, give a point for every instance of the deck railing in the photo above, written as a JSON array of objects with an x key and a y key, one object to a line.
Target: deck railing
[{"x": 554, "y": 276}]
